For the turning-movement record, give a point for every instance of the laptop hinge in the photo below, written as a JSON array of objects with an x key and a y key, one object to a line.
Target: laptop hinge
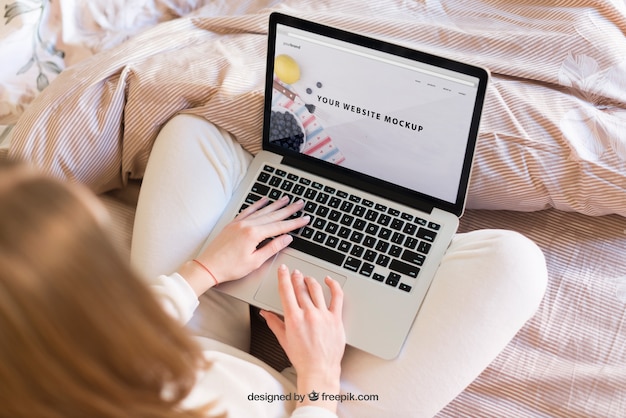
[{"x": 374, "y": 186}]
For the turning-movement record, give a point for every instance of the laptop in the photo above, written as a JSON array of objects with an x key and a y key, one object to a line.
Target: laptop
[{"x": 378, "y": 139}]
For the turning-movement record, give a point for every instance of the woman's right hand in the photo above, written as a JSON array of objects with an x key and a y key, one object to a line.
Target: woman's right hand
[
  {"x": 312, "y": 334},
  {"x": 236, "y": 250}
]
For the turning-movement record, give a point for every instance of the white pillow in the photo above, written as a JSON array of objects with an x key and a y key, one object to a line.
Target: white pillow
[{"x": 29, "y": 58}]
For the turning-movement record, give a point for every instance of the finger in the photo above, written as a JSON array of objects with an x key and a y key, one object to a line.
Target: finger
[
  {"x": 272, "y": 246},
  {"x": 253, "y": 207},
  {"x": 277, "y": 228},
  {"x": 272, "y": 238},
  {"x": 271, "y": 208},
  {"x": 279, "y": 212},
  {"x": 285, "y": 290},
  {"x": 301, "y": 290},
  {"x": 336, "y": 295},
  {"x": 275, "y": 324},
  {"x": 316, "y": 293}
]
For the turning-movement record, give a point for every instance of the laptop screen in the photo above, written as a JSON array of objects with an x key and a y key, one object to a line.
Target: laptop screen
[{"x": 385, "y": 114}]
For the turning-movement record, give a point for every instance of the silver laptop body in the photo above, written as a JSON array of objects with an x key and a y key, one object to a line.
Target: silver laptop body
[{"x": 378, "y": 139}]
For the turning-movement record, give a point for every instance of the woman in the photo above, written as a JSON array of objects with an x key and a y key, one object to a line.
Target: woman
[
  {"x": 82, "y": 336},
  {"x": 75, "y": 317}
]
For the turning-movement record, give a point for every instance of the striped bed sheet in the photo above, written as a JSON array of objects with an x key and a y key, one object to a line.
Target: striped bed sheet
[
  {"x": 570, "y": 358},
  {"x": 550, "y": 163}
]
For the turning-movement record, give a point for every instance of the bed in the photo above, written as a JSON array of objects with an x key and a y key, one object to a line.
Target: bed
[{"x": 88, "y": 86}]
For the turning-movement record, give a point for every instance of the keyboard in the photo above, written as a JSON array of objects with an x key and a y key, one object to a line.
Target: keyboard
[{"x": 377, "y": 241}]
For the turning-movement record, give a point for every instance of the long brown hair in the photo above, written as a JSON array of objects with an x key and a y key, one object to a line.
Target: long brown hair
[{"x": 80, "y": 334}]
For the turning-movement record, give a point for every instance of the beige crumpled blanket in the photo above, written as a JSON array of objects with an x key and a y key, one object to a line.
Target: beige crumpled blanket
[{"x": 552, "y": 131}]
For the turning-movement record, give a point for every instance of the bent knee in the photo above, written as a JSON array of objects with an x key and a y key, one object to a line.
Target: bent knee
[
  {"x": 525, "y": 265},
  {"x": 514, "y": 262}
]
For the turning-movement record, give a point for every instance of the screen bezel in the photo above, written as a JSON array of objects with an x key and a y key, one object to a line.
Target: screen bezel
[{"x": 353, "y": 178}]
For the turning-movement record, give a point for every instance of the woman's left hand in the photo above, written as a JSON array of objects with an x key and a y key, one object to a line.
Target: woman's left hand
[{"x": 235, "y": 251}]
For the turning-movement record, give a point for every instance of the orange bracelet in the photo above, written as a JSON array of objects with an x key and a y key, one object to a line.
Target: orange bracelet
[{"x": 207, "y": 270}]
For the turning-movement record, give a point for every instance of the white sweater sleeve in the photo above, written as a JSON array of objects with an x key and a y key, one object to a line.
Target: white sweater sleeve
[
  {"x": 176, "y": 296},
  {"x": 230, "y": 378}
]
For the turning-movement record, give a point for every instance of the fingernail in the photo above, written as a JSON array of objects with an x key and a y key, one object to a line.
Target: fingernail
[
  {"x": 287, "y": 239},
  {"x": 282, "y": 267}
]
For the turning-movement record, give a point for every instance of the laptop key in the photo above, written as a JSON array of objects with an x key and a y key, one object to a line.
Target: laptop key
[
  {"x": 298, "y": 189},
  {"x": 308, "y": 232},
  {"x": 347, "y": 206},
  {"x": 384, "y": 219},
  {"x": 319, "y": 236},
  {"x": 384, "y": 233},
  {"x": 424, "y": 247},
  {"x": 322, "y": 211},
  {"x": 344, "y": 246},
  {"x": 331, "y": 227},
  {"x": 357, "y": 251},
  {"x": 370, "y": 255},
  {"x": 310, "y": 194},
  {"x": 397, "y": 238},
  {"x": 434, "y": 226},
  {"x": 310, "y": 207},
  {"x": 261, "y": 189},
  {"x": 319, "y": 223},
  {"x": 378, "y": 277},
  {"x": 404, "y": 268},
  {"x": 322, "y": 198},
  {"x": 371, "y": 215},
  {"x": 286, "y": 186},
  {"x": 406, "y": 216},
  {"x": 371, "y": 229},
  {"x": 352, "y": 264},
  {"x": 395, "y": 251},
  {"x": 409, "y": 229},
  {"x": 405, "y": 287},
  {"x": 393, "y": 279},
  {"x": 334, "y": 215},
  {"x": 332, "y": 241},
  {"x": 382, "y": 246},
  {"x": 411, "y": 242},
  {"x": 356, "y": 237},
  {"x": 369, "y": 241},
  {"x": 366, "y": 269},
  {"x": 275, "y": 194},
  {"x": 347, "y": 220},
  {"x": 251, "y": 198},
  {"x": 397, "y": 224},
  {"x": 413, "y": 257},
  {"x": 263, "y": 177},
  {"x": 421, "y": 221},
  {"x": 359, "y": 224},
  {"x": 426, "y": 234},
  {"x": 275, "y": 181},
  {"x": 344, "y": 232},
  {"x": 383, "y": 260},
  {"x": 319, "y": 251}
]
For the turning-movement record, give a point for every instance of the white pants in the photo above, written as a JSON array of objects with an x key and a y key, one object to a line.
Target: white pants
[{"x": 489, "y": 284}]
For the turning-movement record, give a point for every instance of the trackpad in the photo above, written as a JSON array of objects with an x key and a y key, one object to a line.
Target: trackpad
[{"x": 268, "y": 291}]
